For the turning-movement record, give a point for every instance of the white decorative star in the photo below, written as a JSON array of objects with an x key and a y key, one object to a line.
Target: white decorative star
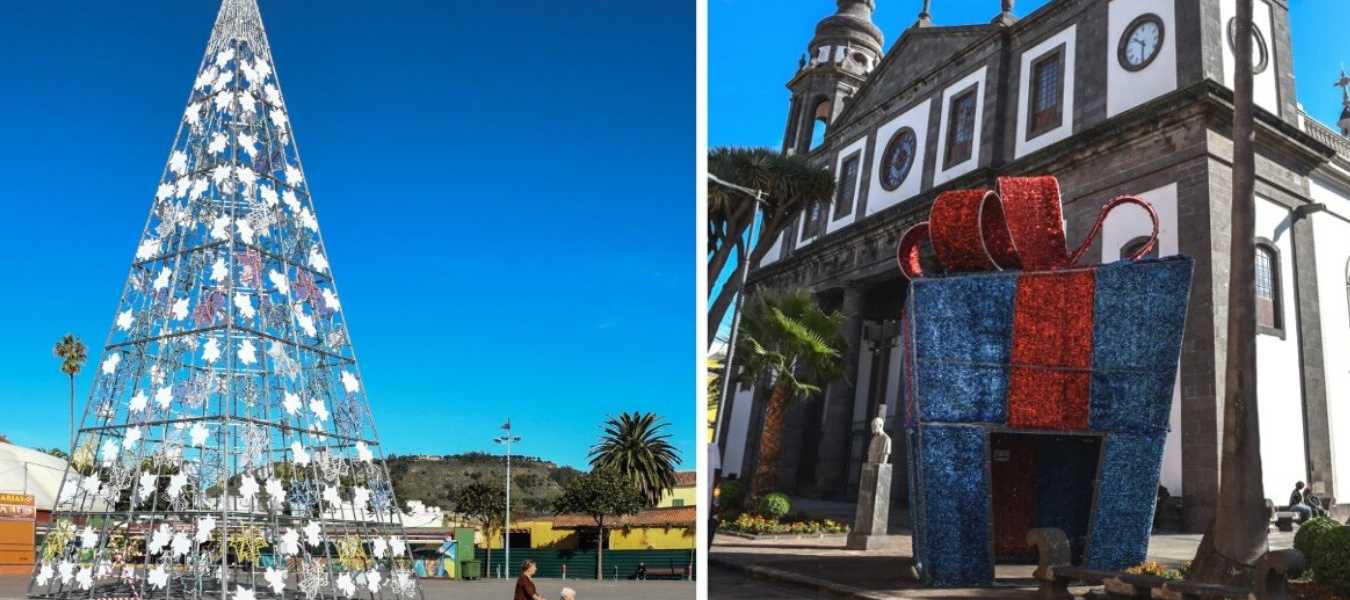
[
  {"x": 275, "y": 491},
  {"x": 320, "y": 411},
  {"x": 198, "y": 434},
  {"x": 133, "y": 438},
  {"x": 243, "y": 593},
  {"x": 350, "y": 382},
  {"x": 293, "y": 175},
  {"x": 361, "y": 498},
  {"x": 289, "y": 543},
  {"x": 268, "y": 194},
  {"x": 226, "y": 76},
  {"x": 124, "y": 320},
  {"x": 138, "y": 401},
  {"x": 109, "y": 452},
  {"x": 178, "y": 162},
  {"x": 247, "y": 142},
  {"x": 148, "y": 248},
  {"x": 88, "y": 538},
  {"x": 110, "y": 363},
  {"x": 305, "y": 321},
  {"x": 247, "y": 177},
  {"x": 313, "y": 533},
  {"x": 205, "y": 525},
  {"x": 146, "y": 486},
  {"x": 363, "y": 452},
  {"x": 288, "y": 198},
  {"x": 330, "y": 299},
  {"x": 373, "y": 578},
  {"x": 91, "y": 483},
  {"x": 218, "y": 143},
  {"x": 250, "y": 105},
  {"x": 330, "y": 495},
  {"x": 272, "y": 94},
  {"x": 162, "y": 281},
  {"x": 44, "y": 574},
  {"x": 160, "y": 538},
  {"x": 397, "y": 545},
  {"x": 224, "y": 57},
  {"x": 278, "y": 118},
  {"x": 193, "y": 114},
  {"x": 211, "y": 351},
  {"x": 176, "y": 483},
  {"x": 163, "y": 192},
  {"x": 219, "y": 271},
  {"x": 307, "y": 219},
  {"x": 85, "y": 578},
  {"x": 344, "y": 583},
  {"x": 244, "y": 303},
  {"x": 276, "y": 578},
  {"x": 261, "y": 67},
  {"x": 198, "y": 187},
  {"x": 158, "y": 577},
  {"x": 220, "y": 175},
  {"x": 67, "y": 570},
  {"x": 300, "y": 456},
  {"x": 181, "y": 544},
  {"x": 180, "y": 309},
  {"x": 379, "y": 547},
  {"x": 279, "y": 279},
  {"x": 248, "y": 487},
  {"x": 291, "y": 403},
  {"x": 164, "y": 397}
]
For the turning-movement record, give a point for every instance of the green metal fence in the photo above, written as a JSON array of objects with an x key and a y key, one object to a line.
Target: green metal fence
[{"x": 580, "y": 564}]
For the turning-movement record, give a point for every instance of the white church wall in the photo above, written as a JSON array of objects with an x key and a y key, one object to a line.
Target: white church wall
[
  {"x": 916, "y": 118},
  {"x": 1067, "y": 38},
  {"x": 1331, "y": 246},
  {"x": 1264, "y": 88},
  {"x": 1128, "y": 89},
  {"x": 774, "y": 253},
  {"x": 736, "y": 434},
  {"x": 858, "y": 147},
  {"x": 1279, "y": 385},
  {"x": 1123, "y": 225}
]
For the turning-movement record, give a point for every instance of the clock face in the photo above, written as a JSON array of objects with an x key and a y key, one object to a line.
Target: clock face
[
  {"x": 898, "y": 158},
  {"x": 1141, "y": 42}
]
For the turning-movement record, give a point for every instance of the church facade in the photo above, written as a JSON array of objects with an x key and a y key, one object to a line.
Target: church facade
[{"x": 1114, "y": 97}]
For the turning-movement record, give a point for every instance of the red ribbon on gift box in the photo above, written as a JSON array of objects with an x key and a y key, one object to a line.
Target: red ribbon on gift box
[{"x": 1020, "y": 225}]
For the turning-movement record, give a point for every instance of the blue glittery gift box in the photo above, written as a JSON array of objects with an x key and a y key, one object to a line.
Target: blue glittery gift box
[{"x": 978, "y": 477}]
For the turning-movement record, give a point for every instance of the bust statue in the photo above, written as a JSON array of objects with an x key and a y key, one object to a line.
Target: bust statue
[{"x": 879, "y": 449}]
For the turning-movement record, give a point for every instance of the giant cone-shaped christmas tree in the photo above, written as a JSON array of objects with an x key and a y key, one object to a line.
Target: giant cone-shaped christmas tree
[{"x": 228, "y": 450}]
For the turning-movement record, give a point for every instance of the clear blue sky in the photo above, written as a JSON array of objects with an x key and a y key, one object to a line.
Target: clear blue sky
[
  {"x": 753, "y": 47},
  {"x": 505, "y": 190}
]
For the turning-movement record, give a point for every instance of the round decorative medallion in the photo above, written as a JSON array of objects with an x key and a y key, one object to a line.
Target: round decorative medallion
[
  {"x": 898, "y": 158},
  {"x": 1260, "y": 53},
  {"x": 1142, "y": 41}
]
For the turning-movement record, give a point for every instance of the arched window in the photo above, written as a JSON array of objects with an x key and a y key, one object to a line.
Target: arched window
[
  {"x": 820, "y": 121},
  {"x": 1135, "y": 244},
  {"x": 1269, "y": 310}
]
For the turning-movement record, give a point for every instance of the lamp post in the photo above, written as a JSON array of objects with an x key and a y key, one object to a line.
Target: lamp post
[{"x": 507, "y": 439}]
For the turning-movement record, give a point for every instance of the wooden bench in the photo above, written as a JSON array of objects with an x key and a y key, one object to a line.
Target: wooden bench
[
  {"x": 658, "y": 572},
  {"x": 1055, "y": 572}
]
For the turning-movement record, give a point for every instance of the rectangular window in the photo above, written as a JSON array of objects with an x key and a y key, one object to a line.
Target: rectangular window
[
  {"x": 960, "y": 128},
  {"x": 813, "y": 219},
  {"x": 847, "y": 186},
  {"x": 1046, "y": 101}
]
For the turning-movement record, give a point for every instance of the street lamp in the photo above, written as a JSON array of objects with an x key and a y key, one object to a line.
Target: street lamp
[{"x": 507, "y": 439}]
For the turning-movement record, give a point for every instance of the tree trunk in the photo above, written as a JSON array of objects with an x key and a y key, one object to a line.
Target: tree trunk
[
  {"x": 600, "y": 552},
  {"x": 487, "y": 569},
  {"x": 72, "y": 415},
  {"x": 1237, "y": 536},
  {"x": 770, "y": 442},
  {"x": 717, "y": 309}
]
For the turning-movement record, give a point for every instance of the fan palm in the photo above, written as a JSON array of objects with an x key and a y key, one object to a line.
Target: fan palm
[
  {"x": 72, "y": 353},
  {"x": 788, "y": 340},
  {"x": 636, "y": 446}
]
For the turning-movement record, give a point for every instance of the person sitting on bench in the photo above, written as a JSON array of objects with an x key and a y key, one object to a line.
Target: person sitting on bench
[{"x": 1302, "y": 502}]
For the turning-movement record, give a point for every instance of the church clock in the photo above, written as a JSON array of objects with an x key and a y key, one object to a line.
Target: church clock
[{"x": 1141, "y": 42}]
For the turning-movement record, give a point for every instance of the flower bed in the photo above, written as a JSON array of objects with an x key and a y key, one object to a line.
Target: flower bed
[{"x": 757, "y": 525}]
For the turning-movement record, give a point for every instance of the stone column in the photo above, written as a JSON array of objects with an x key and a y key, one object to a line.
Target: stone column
[{"x": 832, "y": 457}]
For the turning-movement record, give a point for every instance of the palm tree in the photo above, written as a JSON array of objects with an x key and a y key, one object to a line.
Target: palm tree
[
  {"x": 636, "y": 447},
  {"x": 72, "y": 353},
  {"x": 1237, "y": 536},
  {"x": 788, "y": 183},
  {"x": 788, "y": 340}
]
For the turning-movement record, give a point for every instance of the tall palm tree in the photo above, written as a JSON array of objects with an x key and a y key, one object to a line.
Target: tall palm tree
[
  {"x": 72, "y": 353},
  {"x": 1237, "y": 536},
  {"x": 788, "y": 340},
  {"x": 788, "y": 182},
  {"x": 636, "y": 446}
]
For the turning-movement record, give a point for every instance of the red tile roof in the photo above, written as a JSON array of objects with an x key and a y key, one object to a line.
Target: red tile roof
[{"x": 686, "y": 479}]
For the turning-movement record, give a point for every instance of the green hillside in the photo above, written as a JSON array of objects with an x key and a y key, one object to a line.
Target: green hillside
[{"x": 432, "y": 479}]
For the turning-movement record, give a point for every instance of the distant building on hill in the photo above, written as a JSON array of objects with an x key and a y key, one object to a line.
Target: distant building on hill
[{"x": 685, "y": 492}]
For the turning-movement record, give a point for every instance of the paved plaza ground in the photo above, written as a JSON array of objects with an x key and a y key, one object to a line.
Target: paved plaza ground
[
  {"x": 12, "y": 587},
  {"x": 821, "y": 565}
]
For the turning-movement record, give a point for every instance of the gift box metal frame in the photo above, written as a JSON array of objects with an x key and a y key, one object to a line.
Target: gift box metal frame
[{"x": 958, "y": 344}]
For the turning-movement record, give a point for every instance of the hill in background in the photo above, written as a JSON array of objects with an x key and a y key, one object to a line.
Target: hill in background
[{"x": 535, "y": 482}]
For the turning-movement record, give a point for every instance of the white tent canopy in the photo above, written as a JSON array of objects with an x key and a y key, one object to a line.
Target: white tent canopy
[{"x": 28, "y": 471}]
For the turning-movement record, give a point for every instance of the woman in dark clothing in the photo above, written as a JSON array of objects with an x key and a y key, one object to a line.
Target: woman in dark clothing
[{"x": 525, "y": 583}]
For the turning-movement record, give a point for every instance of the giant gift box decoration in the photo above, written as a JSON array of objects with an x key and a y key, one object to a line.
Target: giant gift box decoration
[{"x": 1037, "y": 391}]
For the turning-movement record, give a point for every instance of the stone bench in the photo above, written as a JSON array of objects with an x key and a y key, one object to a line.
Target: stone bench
[{"x": 1055, "y": 572}]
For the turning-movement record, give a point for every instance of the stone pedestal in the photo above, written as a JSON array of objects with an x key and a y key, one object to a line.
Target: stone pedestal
[{"x": 874, "y": 510}]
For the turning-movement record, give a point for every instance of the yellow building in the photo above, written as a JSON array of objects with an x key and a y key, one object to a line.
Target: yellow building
[
  {"x": 669, "y": 528},
  {"x": 685, "y": 492}
]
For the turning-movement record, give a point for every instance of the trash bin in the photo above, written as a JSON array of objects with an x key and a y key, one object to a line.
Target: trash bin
[{"x": 470, "y": 569}]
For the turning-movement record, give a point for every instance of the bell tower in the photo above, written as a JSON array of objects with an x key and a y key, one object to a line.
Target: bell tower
[{"x": 843, "y": 52}]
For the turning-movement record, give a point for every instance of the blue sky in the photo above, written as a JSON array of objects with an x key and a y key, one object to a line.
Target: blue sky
[
  {"x": 505, "y": 191},
  {"x": 753, "y": 47}
]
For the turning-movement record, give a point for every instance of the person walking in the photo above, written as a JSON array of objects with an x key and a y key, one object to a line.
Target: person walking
[{"x": 525, "y": 589}]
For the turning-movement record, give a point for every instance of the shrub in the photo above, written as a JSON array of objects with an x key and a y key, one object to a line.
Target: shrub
[
  {"x": 1311, "y": 535},
  {"x": 774, "y": 505},
  {"x": 1331, "y": 563},
  {"x": 732, "y": 494},
  {"x": 1154, "y": 569}
]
